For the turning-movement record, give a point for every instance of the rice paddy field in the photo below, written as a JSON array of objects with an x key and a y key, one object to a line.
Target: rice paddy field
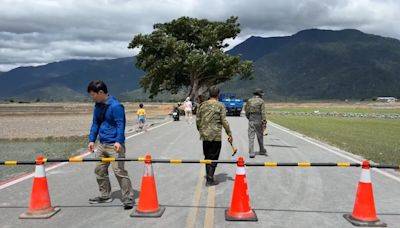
[
  {"x": 54, "y": 130},
  {"x": 371, "y": 131}
]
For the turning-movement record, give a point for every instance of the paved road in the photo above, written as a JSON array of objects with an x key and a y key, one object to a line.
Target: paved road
[{"x": 281, "y": 196}]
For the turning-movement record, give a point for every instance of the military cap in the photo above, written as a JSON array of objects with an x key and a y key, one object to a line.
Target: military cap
[{"x": 259, "y": 92}]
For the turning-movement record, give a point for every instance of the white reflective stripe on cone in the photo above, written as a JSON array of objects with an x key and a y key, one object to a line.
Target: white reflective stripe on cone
[
  {"x": 39, "y": 171},
  {"x": 240, "y": 171},
  {"x": 365, "y": 176}
]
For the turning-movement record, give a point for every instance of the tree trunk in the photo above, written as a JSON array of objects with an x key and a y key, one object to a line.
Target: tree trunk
[{"x": 194, "y": 90}]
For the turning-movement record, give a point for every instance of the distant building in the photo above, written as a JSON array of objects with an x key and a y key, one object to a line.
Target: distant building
[{"x": 386, "y": 99}]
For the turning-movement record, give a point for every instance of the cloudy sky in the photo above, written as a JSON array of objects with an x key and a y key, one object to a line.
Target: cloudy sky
[{"x": 34, "y": 32}]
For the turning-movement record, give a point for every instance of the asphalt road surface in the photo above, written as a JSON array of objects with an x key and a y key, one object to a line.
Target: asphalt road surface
[{"x": 281, "y": 196}]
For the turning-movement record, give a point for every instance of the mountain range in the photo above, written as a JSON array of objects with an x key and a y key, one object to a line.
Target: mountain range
[
  {"x": 67, "y": 80},
  {"x": 311, "y": 64}
]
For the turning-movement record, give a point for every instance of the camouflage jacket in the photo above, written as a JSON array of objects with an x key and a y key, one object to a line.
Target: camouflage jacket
[
  {"x": 255, "y": 105},
  {"x": 210, "y": 118}
]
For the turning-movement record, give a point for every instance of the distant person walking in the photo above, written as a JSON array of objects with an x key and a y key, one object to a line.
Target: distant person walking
[
  {"x": 187, "y": 105},
  {"x": 211, "y": 117},
  {"x": 109, "y": 124},
  {"x": 255, "y": 113},
  {"x": 141, "y": 116}
]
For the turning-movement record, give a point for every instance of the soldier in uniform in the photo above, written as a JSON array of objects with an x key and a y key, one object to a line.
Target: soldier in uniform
[
  {"x": 210, "y": 119},
  {"x": 255, "y": 113}
]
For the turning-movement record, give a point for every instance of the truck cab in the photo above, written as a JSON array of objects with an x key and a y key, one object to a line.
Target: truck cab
[{"x": 232, "y": 104}]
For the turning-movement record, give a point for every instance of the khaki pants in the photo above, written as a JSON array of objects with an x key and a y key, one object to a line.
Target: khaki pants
[
  {"x": 101, "y": 171},
  {"x": 256, "y": 128}
]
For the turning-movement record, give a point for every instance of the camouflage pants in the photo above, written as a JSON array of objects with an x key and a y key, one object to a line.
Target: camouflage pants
[
  {"x": 256, "y": 128},
  {"x": 101, "y": 171}
]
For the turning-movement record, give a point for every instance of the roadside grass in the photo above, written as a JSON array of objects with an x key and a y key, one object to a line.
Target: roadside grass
[
  {"x": 374, "y": 139},
  {"x": 339, "y": 110},
  {"x": 29, "y": 149}
]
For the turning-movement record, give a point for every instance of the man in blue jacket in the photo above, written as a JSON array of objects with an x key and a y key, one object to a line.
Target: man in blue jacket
[{"x": 109, "y": 124}]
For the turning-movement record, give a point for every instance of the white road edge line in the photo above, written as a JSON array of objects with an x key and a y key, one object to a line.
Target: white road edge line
[
  {"x": 152, "y": 128},
  {"x": 298, "y": 135},
  {"x": 7, "y": 184}
]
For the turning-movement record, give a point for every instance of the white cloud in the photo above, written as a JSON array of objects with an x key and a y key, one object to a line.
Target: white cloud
[{"x": 41, "y": 31}]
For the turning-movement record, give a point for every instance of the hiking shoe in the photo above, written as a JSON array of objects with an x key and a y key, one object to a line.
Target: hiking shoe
[
  {"x": 128, "y": 204},
  {"x": 212, "y": 183},
  {"x": 263, "y": 153},
  {"x": 100, "y": 199}
]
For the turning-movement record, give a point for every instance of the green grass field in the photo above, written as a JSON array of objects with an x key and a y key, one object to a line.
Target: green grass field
[
  {"x": 374, "y": 139},
  {"x": 340, "y": 110},
  {"x": 29, "y": 149}
]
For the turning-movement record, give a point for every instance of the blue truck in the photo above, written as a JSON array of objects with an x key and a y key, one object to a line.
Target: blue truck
[{"x": 232, "y": 104}]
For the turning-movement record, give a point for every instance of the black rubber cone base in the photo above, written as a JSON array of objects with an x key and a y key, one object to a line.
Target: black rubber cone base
[
  {"x": 357, "y": 222},
  {"x": 46, "y": 215},
  {"x": 250, "y": 219},
  {"x": 156, "y": 214}
]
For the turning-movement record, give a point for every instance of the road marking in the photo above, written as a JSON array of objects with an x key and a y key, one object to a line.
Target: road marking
[
  {"x": 30, "y": 175},
  {"x": 296, "y": 134},
  {"x": 191, "y": 219},
  {"x": 55, "y": 166},
  {"x": 150, "y": 129},
  {"x": 209, "y": 218}
]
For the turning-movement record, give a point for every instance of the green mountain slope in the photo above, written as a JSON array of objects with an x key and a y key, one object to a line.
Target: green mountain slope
[
  {"x": 319, "y": 64},
  {"x": 120, "y": 75},
  {"x": 311, "y": 64}
]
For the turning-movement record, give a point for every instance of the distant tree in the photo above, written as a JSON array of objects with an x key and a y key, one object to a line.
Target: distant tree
[{"x": 188, "y": 52}]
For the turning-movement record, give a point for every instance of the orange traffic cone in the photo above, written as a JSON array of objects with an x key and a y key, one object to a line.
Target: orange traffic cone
[
  {"x": 364, "y": 213},
  {"x": 240, "y": 209},
  {"x": 148, "y": 202},
  {"x": 40, "y": 205}
]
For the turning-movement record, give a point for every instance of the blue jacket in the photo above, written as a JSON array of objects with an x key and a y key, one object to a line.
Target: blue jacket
[{"x": 112, "y": 129}]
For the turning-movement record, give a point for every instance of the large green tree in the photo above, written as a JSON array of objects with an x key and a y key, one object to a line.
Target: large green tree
[{"x": 188, "y": 52}]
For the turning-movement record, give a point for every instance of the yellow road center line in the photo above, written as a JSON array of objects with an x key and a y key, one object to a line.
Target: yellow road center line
[
  {"x": 191, "y": 219},
  {"x": 209, "y": 218}
]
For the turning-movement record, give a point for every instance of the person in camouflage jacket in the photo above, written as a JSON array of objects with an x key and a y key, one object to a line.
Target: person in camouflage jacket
[
  {"x": 255, "y": 113},
  {"x": 210, "y": 119}
]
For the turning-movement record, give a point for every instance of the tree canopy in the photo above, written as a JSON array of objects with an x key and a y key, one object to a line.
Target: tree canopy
[{"x": 188, "y": 52}]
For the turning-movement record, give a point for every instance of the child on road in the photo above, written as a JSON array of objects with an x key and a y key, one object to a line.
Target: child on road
[{"x": 141, "y": 115}]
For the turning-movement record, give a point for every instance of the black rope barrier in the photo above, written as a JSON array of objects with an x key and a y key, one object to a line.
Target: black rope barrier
[{"x": 180, "y": 161}]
